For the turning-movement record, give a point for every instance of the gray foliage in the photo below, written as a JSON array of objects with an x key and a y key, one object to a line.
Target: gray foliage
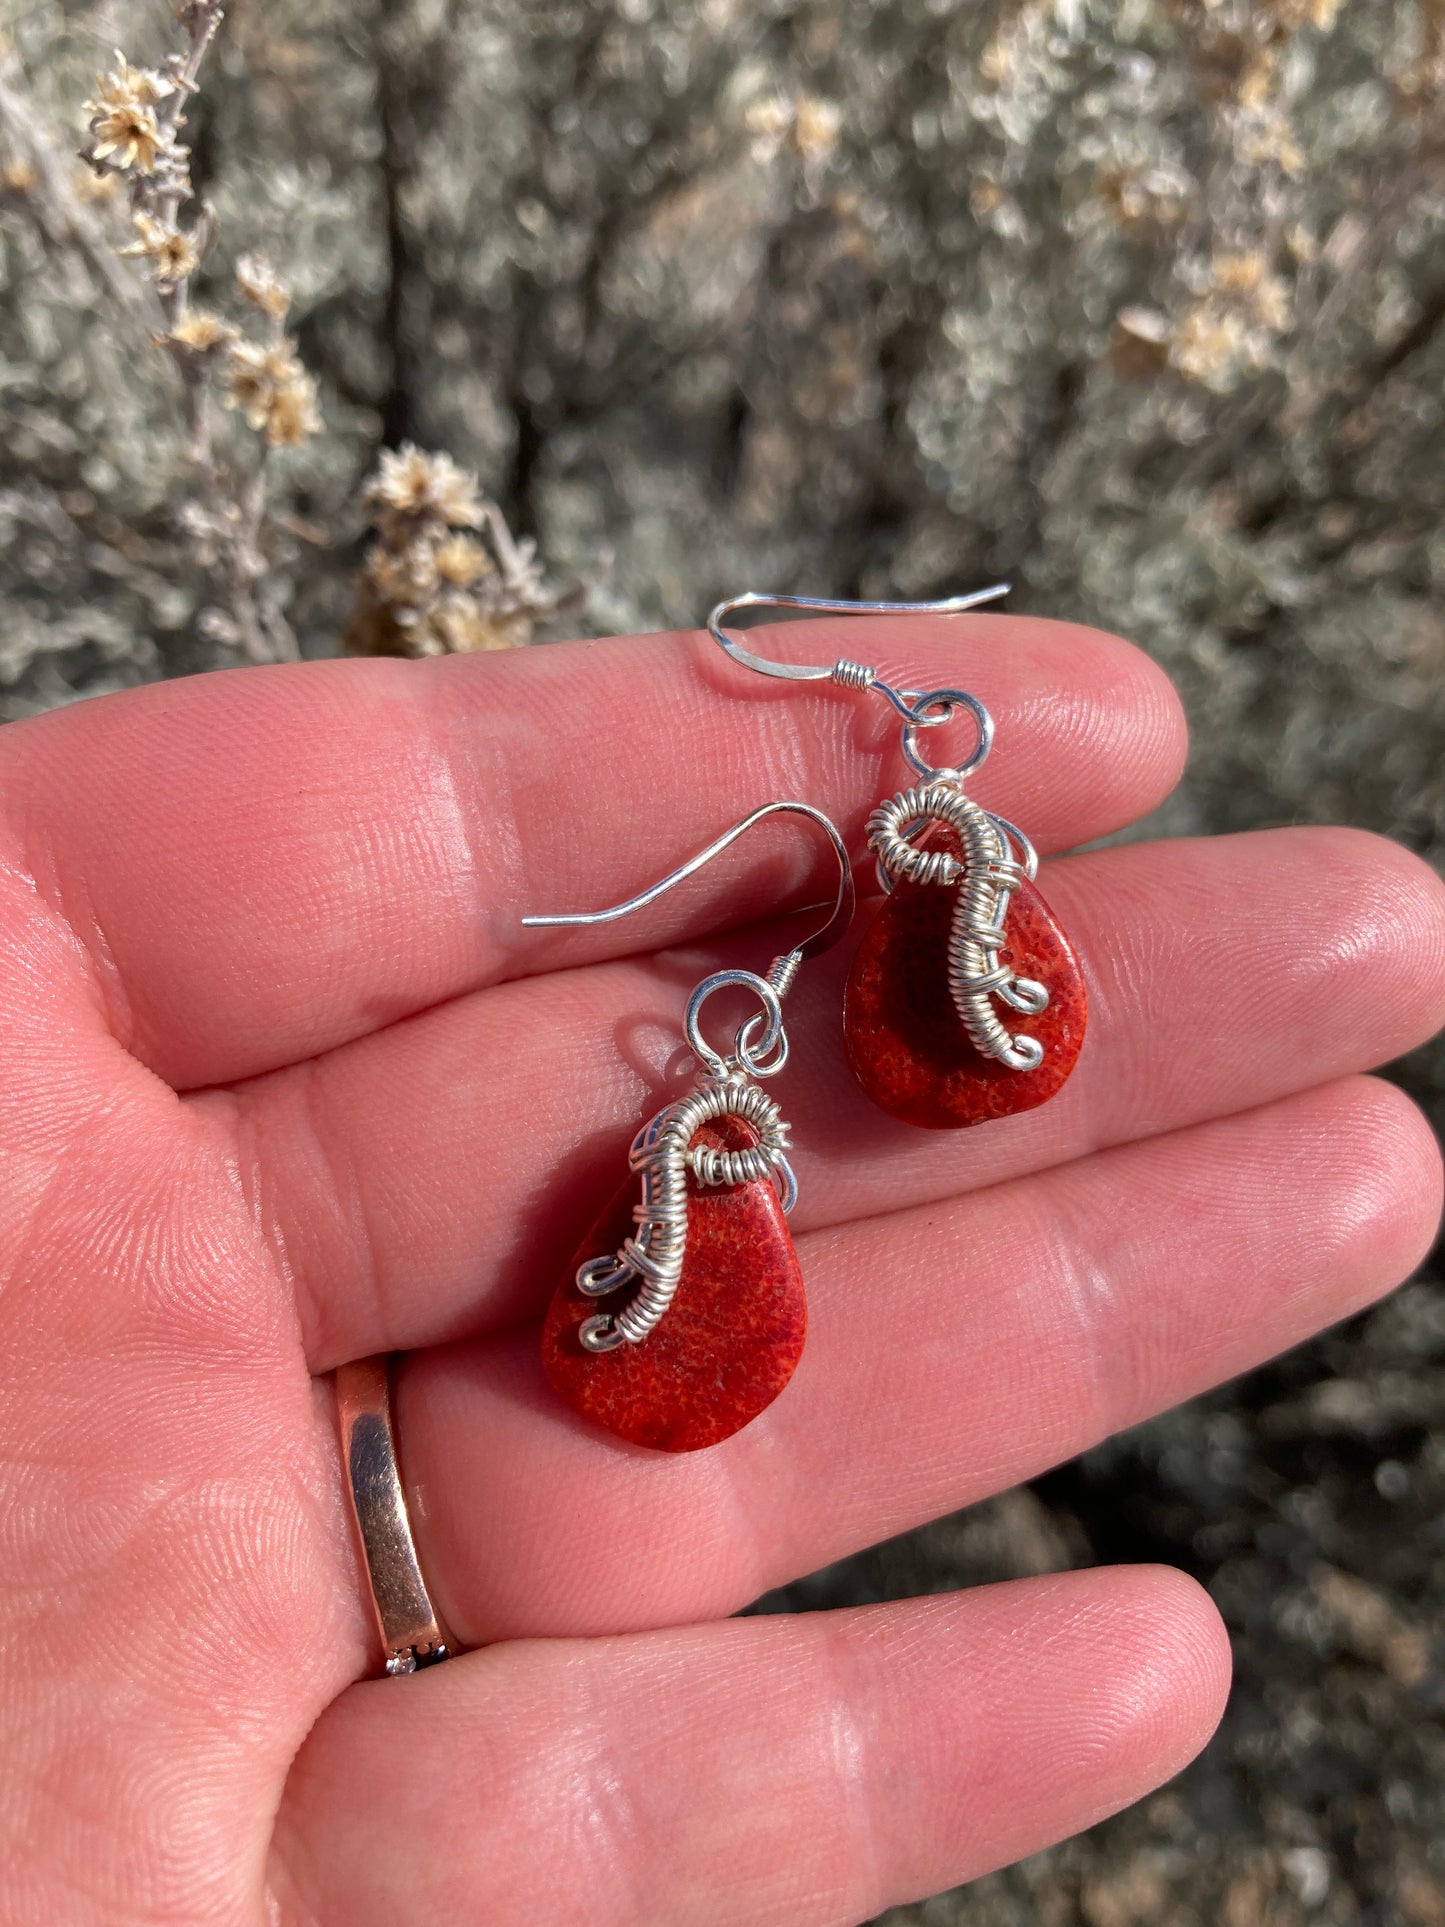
[{"x": 1137, "y": 304}]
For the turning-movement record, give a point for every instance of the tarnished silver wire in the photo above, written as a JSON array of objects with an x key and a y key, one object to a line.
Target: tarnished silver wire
[
  {"x": 984, "y": 881},
  {"x": 663, "y": 1154},
  {"x": 989, "y": 872}
]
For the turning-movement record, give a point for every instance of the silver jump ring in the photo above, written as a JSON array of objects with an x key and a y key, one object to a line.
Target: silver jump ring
[
  {"x": 755, "y": 1060},
  {"x": 772, "y": 1010},
  {"x": 948, "y": 700}
]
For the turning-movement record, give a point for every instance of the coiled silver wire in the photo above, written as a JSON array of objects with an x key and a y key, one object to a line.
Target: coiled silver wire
[
  {"x": 985, "y": 880},
  {"x": 852, "y": 675},
  {"x": 664, "y": 1154}
]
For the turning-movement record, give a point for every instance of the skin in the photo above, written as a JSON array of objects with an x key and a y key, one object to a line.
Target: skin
[{"x": 285, "y": 1083}]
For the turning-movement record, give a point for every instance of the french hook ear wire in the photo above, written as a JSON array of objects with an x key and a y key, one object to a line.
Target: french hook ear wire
[
  {"x": 850, "y": 675},
  {"x": 823, "y": 938},
  {"x": 919, "y": 708}
]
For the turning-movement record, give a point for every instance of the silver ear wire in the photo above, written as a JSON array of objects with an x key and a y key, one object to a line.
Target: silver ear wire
[
  {"x": 852, "y": 675},
  {"x": 919, "y": 708},
  {"x": 663, "y": 1152},
  {"x": 822, "y": 939}
]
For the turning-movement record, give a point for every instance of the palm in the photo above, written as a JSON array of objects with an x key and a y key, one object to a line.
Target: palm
[{"x": 284, "y": 894}]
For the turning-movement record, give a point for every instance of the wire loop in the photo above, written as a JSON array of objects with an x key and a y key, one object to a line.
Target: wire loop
[
  {"x": 747, "y": 1052},
  {"x": 947, "y": 702}
]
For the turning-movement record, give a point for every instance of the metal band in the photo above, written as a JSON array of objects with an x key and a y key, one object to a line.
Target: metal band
[{"x": 411, "y": 1635}]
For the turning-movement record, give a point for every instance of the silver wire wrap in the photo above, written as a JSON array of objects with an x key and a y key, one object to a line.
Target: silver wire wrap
[
  {"x": 984, "y": 880},
  {"x": 989, "y": 874},
  {"x": 664, "y": 1154},
  {"x": 853, "y": 675},
  {"x": 663, "y": 1151}
]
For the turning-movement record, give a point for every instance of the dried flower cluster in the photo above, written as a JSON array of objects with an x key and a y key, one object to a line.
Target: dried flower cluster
[
  {"x": 1139, "y": 305},
  {"x": 125, "y": 129},
  {"x": 801, "y": 124},
  {"x": 134, "y": 118},
  {"x": 272, "y": 390},
  {"x": 1233, "y": 326},
  {"x": 445, "y": 575}
]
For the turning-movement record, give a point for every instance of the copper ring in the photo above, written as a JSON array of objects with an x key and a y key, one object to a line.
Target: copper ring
[{"x": 411, "y": 1634}]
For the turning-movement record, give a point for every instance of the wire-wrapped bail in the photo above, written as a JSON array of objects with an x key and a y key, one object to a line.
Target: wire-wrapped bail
[
  {"x": 985, "y": 878},
  {"x": 664, "y": 1154}
]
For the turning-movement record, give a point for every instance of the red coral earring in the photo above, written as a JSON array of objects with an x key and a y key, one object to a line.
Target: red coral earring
[
  {"x": 964, "y": 931},
  {"x": 703, "y": 1313}
]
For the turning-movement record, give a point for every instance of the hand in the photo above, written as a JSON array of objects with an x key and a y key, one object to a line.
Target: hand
[{"x": 286, "y": 1084}]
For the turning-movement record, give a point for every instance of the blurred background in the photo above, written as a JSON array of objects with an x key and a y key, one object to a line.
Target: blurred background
[{"x": 1139, "y": 304}]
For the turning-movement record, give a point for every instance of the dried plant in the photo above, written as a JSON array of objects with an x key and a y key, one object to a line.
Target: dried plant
[
  {"x": 445, "y": 575},
  {"x": 135, "y": 117},
  {"x": 1142, "y": 306}
]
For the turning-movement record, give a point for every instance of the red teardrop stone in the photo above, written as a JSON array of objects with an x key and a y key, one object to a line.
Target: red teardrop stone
[
  {"x": 728, "y": 1343},
  {"x": 906, "y": 1041}
]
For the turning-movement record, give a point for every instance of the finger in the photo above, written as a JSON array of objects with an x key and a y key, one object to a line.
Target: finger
[
  {"x": 811, "y": 1769},
  {"x": 952, "y": 1351},
  {"x": 264, "y": 863},
  {"x": 433, "y": 1179}
]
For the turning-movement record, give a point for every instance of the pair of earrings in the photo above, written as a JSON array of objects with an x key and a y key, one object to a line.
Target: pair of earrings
[{"x": 679, "y": 1331}]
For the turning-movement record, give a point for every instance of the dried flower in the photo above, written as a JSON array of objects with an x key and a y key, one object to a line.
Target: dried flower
[
  {"x": 1272, "y": 305},
  {"x": 996, "y": 63},
  {"x": 1134, "y": 197},
  {"x": 294, "y": 416},
  {"x": 768, "y": 121},
  {"x": 200, "y": 331},
  {"x": 129, "y": 136},
  {"x": 412, "y": 484},
  {"x": 250, "y": 380},
  {"x": 405, "y": 579},
  {"x": 1301, "y": 243},
  {"x": 463, "y": 627},
  {"x": 122, "y": 116},
  {"x": 816, "y": 126},
  {"x": 428, "y": 588},
  {"x": 258, "y": 283},
  {"x": 1272, "y": 142},
  {"x": 1249, "y": 278},
  {"x": 1259, "y": 80},
  {"x": 170, "y": 255},
  {"x": 1237, "y": 273},
  {"x": 141, "y": 84},
  {"x": 1212, "y": 345},
  {"x": 273, "y": 391},
  {"x": 18, "y": 177},
  {"x": 134, "y": 117},
  {"x": 808, "y": 125},
  {"x": 461, "y": 562}
]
